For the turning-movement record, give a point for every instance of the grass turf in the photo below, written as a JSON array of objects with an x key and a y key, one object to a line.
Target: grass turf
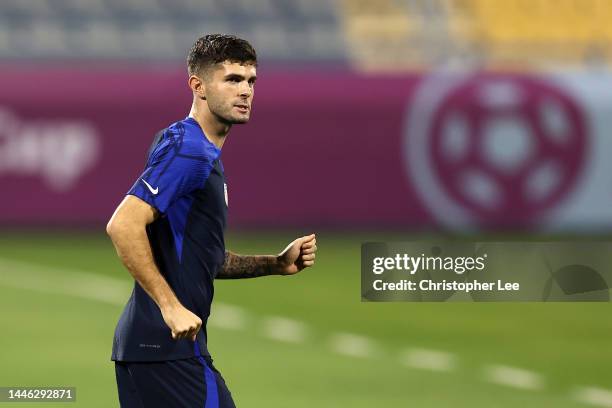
[{"x": 54, "y": 339}]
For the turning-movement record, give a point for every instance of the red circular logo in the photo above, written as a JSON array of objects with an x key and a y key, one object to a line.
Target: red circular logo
[{"x": 506, "y": 148}]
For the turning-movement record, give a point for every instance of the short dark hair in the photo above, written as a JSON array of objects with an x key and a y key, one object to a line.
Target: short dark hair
[{"x": 215, "y": 48}]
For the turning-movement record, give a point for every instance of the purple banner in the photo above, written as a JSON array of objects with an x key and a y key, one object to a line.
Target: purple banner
[{"x": 331, "y": 148}]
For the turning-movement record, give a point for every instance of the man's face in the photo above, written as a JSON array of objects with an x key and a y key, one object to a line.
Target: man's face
[{"x": 230, "y": 87}]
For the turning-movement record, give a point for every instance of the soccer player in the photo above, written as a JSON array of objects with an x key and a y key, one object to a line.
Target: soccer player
[{"x": 168, "y": 232}]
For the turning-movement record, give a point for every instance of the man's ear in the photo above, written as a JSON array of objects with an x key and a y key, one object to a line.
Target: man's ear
[{"x": 197, "y": 86}]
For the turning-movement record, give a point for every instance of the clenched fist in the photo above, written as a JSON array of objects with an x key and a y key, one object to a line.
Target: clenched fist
[
  {"x": 298, "y": 255},
  {"x": 182, "y": 323}
]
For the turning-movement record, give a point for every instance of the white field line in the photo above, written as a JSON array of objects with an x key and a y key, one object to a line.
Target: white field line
[
  {"x": 82, "y": 284},
  {"x": 425, "y": 359},
  {"x": 514, "y": 377},
  {"x": 228, "y": 317},
  {"x": 598, "y": 397},
  {"x": 284, "y": 329},
  {"x": 353, "y": 345},
  {"x": 91, "y": 286}
]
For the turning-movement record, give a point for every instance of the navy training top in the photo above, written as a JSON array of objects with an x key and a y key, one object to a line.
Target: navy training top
[{"x": 183, "y": 179}]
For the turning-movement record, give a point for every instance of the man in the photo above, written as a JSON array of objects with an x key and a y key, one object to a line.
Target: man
[{"x": 168, "y": 232}]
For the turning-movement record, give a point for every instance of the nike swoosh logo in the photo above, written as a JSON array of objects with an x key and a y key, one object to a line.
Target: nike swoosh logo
[{"x": 153, "y": 190}]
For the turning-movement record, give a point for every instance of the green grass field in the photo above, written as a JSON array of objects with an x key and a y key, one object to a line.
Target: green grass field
[{"x": 52, "y": 337}]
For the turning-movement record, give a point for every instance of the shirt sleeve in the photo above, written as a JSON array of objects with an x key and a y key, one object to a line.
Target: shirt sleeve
[{"x": 170, "y": 176}]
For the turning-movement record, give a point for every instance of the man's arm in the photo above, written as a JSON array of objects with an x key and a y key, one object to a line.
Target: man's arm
[
  {"x": 298, "y": 255},
  {"x": 127, "y": 230}
]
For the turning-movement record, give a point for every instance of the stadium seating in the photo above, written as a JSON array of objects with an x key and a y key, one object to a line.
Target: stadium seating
[
  {"x": 369, "y": 34},
  {"x": 293, "y": 30},
  {"x": 535, "y": 34}
]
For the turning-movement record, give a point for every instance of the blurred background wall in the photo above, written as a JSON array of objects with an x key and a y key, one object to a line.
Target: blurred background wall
[{"x": 462, "y": 114}]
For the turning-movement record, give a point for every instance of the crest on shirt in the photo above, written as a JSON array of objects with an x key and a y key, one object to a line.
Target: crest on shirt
[{"x": 225, "y": 193}]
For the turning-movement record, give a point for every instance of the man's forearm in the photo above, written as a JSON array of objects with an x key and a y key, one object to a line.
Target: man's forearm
[
  {"x": 248, "y": 266},
  {"x": 134, "y": 250}
]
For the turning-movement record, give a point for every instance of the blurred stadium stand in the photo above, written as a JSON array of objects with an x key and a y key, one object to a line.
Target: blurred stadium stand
[
  {"x": 379, "y": 34},
  {"x": 163, "y": 29},
  {"x": 392, "y": 35}
]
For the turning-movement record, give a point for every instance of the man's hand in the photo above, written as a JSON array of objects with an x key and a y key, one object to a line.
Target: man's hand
[
  {"x": 182, "y": 323},
  {"x": 298, "y": 255}
]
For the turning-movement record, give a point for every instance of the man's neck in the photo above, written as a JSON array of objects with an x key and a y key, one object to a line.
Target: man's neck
[{"x": 214, "y": 130}]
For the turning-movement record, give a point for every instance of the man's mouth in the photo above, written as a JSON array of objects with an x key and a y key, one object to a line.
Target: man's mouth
[{"x": 242, "y": 107}]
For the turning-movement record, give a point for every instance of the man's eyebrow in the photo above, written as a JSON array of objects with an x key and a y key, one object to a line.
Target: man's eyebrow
[{"x": 241, "y": 77}]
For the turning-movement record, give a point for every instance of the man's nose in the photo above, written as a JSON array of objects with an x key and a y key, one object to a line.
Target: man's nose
[{"x": 245, "y": 89}]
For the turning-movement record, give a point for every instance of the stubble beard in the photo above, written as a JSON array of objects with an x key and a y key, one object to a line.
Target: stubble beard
[{"x": 224, "y": 115}]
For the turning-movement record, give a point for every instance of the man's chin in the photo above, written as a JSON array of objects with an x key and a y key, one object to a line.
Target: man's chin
[
  {"x": 240, "y": 120},
  {"x": 233, "y": 120}
]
